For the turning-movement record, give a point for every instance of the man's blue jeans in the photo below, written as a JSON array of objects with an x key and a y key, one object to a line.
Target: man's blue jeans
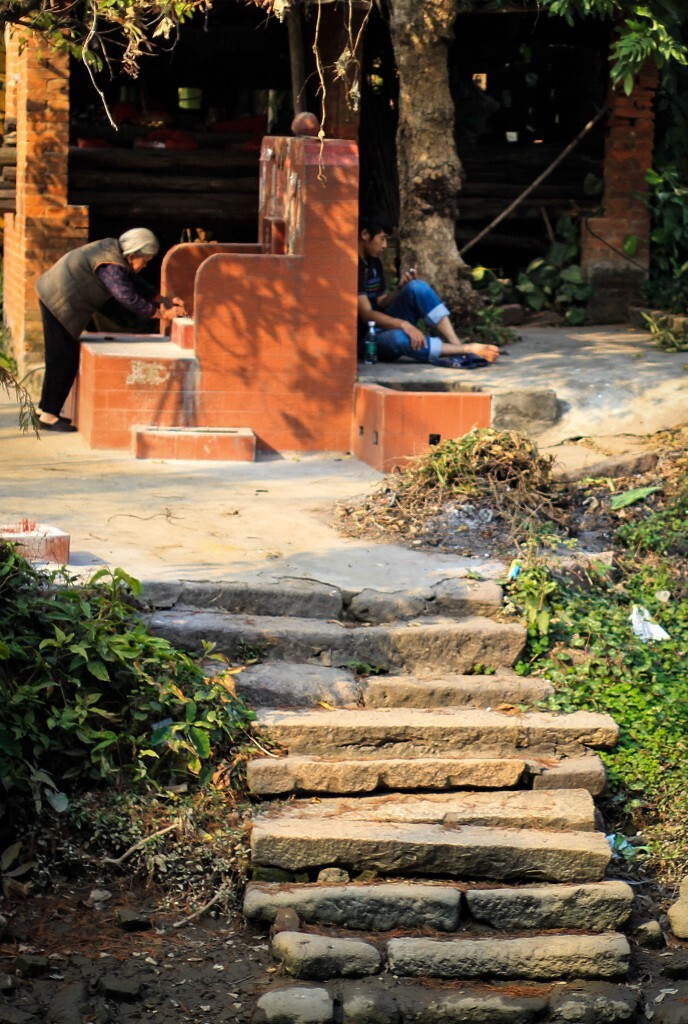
[{"x": 416, "y": 301}]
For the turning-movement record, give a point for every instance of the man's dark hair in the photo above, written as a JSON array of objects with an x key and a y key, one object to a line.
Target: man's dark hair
[{"x": 374, "y": 221}]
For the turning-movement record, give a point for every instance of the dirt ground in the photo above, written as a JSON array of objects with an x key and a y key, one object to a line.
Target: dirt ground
[{"x": 207, "y": 972}]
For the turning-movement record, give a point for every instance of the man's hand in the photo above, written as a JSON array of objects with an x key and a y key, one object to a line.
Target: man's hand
[
  {"x": 408, "y": 275},
  {"x": 416, "y": 337},
  {"x": 489, "y": 352}
]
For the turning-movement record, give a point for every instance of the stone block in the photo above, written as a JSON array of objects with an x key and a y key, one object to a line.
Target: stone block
[{"x": 320, "y": 957}]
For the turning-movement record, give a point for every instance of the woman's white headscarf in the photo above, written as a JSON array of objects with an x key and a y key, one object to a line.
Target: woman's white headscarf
[{"x": 138, "y": 242}]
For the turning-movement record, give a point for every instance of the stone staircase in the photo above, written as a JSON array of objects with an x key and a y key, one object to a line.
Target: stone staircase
[{"x": 427, "y": 846}]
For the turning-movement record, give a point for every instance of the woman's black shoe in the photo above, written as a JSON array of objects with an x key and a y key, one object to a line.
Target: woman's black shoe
[{"x": 60, "y": 426}]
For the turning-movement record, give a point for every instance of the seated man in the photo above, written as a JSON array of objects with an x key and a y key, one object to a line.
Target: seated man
[{"x": 395, "y": 315}]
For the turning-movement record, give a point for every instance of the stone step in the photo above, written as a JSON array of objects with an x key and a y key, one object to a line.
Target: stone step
[
  {"x": 387, "y": 906},
  {"x": 455, "y": 597},
  {"x": 477, "y": 691},
  {"x": 397, "y": 732},
  {"x": 274, "y": 684},
  {"x": 549, "y": 957},
  {"x": 368, "y": 1001},
  {"x": 568, "y": 811},
  {"x": 466, "y": 852},
  {"x": 302, "y": 774},
  {"x": 537, "y": 958},
  {"x": 321, "y": 775},
  {"x": 433, "y": 644},
  {"x": 307, "y": 599}
]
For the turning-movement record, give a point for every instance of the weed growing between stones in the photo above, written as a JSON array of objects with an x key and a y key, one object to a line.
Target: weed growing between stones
[{"x": 581, "y": 639}]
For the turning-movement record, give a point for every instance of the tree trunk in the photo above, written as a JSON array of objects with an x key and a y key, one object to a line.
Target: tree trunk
[{"x": 429, "y": 167}]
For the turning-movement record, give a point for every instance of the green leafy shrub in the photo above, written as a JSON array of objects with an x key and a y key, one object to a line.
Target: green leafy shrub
[
  {"x": 90, "y": 695},
  {"x": 667, "y": 202},
  {"x": 554, "y": 281}
]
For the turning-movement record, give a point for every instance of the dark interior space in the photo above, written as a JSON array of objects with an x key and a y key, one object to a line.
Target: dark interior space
[
  {"x": 524, "y": 85},
  {"x": 184, "y": 156}
]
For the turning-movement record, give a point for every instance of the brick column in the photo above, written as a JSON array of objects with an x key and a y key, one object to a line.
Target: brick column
[
  {"x": 44, "y": 226},
  {"x": 628, "y": 155}
]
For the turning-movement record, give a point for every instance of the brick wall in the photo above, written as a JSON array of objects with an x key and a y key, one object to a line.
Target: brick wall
[
  {"x": 628, "y": 155},
  {"x": 44, "y": 226}
]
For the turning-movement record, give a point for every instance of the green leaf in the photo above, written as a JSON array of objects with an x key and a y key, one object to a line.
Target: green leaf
[
  {"x": 200, "y": 741},
  {"x": 625, "y": 498},
  {"x": 575, "y": 316},
  {"x": 98, "y": 669},
  {"x": 630, "y": 245},
  {"x": 58, "y": 801},
  {"x": 9, "y": 855},
  {"x": 573, "y": 275}
]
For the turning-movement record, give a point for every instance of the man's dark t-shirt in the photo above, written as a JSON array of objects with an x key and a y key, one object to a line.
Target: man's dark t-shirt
[{"x": 371, "y": 282}]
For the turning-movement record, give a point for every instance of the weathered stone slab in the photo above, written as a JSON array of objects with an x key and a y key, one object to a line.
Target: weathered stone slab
[
  {"x": 592, "y": 1002},
  {"x": 455, "y": 691},
  {"x": 414, "y": 732},
  {"x": 460, "y": 596},
  {"x": 307, "y": 599},
  {"x": 466, "y": 852},
  {"x": 320, "y": 957},
  {"x": 294, "y": 1006},
  {"x": 301, "y": 774},
  {"x": 587, "y": 772},
  {"x": 444, "y": 1006},
  {"x": 573, "y": 811},
  {"x": 382, "y": 907},
  {"x": 454, "y": 646},
  {"x": 363, "y": 1004},
  {"x": 398, "y": 606},
  {"x": 544, "y": 957},
  {"x": 597, "y": 907},
  {"x": 456, "y": 598},
  {"x": 274, "y": 684},
  {"x": 434, "y": 643}
]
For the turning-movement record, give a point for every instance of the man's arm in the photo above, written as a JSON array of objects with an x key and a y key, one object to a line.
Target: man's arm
[{"x": 381, "y": 319}]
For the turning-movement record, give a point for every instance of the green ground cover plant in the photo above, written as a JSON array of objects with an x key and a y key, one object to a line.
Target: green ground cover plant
[
  {"x": 581, "y": 639},
  {"x": 91, "y": 697},
  {"x": 115, "y": 747}
]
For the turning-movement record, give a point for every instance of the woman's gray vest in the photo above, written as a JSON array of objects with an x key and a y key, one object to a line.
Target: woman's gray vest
[{"x": 71, "y": 290}]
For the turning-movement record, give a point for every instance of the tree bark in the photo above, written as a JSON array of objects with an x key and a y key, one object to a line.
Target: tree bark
[{"x": 429, "y": 167}]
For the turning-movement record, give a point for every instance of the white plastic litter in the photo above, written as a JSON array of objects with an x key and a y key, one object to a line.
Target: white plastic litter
[{"x": 644, "y": 627}]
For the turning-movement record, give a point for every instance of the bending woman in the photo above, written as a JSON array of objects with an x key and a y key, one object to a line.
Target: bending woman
[{"x": 73, "y": 289}]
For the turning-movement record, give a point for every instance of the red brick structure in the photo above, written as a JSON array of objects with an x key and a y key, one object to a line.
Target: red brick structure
[
  {"x": 272, "y": 344},
  {"x": 44, "y": 226},
  {"x": 628, "y": 155}
]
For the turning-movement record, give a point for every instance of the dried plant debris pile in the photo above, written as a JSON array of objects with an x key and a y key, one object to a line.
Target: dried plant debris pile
[{"x": 489, "y": 480}]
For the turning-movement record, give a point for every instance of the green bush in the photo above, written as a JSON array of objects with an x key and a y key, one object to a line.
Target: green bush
[
  {"x": 667, "y": 202},
  {"x": 554, "y": 281},
  {"x": 90, "y": 695}
]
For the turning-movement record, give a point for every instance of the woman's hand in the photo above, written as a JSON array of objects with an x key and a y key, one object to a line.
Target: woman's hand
[{"x": 170, "y": 313}]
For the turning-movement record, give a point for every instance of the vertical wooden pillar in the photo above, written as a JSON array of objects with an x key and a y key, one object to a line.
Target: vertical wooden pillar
[{"x": 44, "y": 226}]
